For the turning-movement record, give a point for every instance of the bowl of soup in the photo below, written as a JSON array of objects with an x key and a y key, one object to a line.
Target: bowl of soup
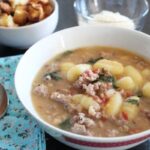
[{"x": 89, "y": 87}]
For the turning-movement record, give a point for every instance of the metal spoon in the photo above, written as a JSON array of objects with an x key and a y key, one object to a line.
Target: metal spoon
[{"x": 3, "y": 101}]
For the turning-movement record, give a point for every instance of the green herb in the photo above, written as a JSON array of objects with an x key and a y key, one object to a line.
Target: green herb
[
  {"x": 105, "y": 78},
  {"x": 140, "y": 94},
  {"x": 66, "y": 53},
  {"x": 133, "y": 101},
  {"x": 115, "y": 86},
  {"x": 54, "y": 75},
  {"x": 94, "y": 60},
  {"x": 66, "y": 125}
]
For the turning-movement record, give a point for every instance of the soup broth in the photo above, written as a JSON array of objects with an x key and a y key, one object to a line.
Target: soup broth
[{"x": 95, "y": 91}]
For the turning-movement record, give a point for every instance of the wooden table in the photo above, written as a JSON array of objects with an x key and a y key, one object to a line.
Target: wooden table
[{"x": 67, "y": 19}]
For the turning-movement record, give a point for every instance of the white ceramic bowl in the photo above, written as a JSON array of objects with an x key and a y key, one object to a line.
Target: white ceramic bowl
[
  {"x": 73, "y": 38},
  {"x": 25, "y": 36}
]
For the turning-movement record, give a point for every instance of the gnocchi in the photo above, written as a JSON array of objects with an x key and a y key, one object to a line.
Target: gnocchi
[
  {"x": 75, "y": 71},
  {"x": 85, "y": 101},
  {"x": 130, "y": 107},
  {"x": 146, "y": 90},
  {"x": 126, "y": 83},
  {"x": 114, "y": 104},
  {"x": 134, "y": 74},
  {"x": 66, "y": 66},
  {"x": 114, "y": 67},
  {"x": 146, "y": 73}
]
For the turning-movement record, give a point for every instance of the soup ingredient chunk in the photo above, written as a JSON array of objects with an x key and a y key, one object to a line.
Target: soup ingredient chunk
[
  {"x": 114, "y": 104},
  {"x": 126, "y": 83},
  {"x": 146, "y": 90},
  {"x": 76, "y": 71},
  {"x": 66, "y": 66},
  {"x": 41, "y": 90},
  {"x": 114, "y": 67},
  {"x": 135, "y": 75},
  {"x": 146, "y": 73},
  {"x": 52, "y": 76},
  {"x": 87, "y": 103},
  {"x": 81, "y": 123},
  {"x": 147, "y": 113},
  {"x": 130, "y": 108}
]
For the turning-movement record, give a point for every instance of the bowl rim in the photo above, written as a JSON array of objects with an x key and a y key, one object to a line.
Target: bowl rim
[
  {"x": 56, "y": 7},
  {"x": 89, "y": 18},
  {"x": 67, "y": 133}
]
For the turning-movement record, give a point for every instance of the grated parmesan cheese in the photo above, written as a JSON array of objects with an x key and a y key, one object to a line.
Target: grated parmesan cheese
[{"x": 111, "y": 18}]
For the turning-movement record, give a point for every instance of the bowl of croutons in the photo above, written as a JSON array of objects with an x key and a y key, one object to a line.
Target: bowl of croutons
[{"x": 24, "y": 22}]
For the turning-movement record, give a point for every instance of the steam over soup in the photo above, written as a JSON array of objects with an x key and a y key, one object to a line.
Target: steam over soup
[{"x": 95, "y": 91}]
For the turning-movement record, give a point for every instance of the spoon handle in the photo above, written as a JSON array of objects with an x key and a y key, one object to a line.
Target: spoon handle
[{"x": 3, "y": 101}]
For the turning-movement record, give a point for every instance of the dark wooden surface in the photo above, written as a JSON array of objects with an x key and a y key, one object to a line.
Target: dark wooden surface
[{"x": 67, "y": 19}]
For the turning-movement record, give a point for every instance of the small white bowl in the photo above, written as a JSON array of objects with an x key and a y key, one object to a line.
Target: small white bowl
[
  {"x": 73, "y": 38},
  {"x": 25, "y": 36}
]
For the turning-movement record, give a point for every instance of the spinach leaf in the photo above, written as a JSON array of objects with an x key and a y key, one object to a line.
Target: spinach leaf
[
  {"x": 66, "y": 53},
  {"x": 66, "y": 125},
  {"x": 133, "y": 101},
  {"x": 105, "y": 78},
  {"x": 54, "y": 75},
  {"x": 94, "y": 60},
  {"x": 140, "y": 94}
]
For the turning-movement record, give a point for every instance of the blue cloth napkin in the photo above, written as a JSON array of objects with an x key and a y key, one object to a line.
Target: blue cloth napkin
[{"x": 18, "y": 130}]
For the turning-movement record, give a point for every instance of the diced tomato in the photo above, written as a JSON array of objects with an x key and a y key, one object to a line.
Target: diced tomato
[
  {"x": 125, "y": 115},
  {"x": 104, "y": 101},
  {"x": 126, "y": 94},
  {"x": 96, "y": 70},
  {"x": 104, "y": 119},
  {"x": 132, "y": 131},
  {"x": 96, "y": 98},
  {"x": 129, "y": 93}
]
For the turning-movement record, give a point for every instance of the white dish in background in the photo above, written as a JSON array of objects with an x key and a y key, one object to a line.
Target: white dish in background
[
  {"x": 25, "y": 36},
  {"x": 73, "y": 38}
]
